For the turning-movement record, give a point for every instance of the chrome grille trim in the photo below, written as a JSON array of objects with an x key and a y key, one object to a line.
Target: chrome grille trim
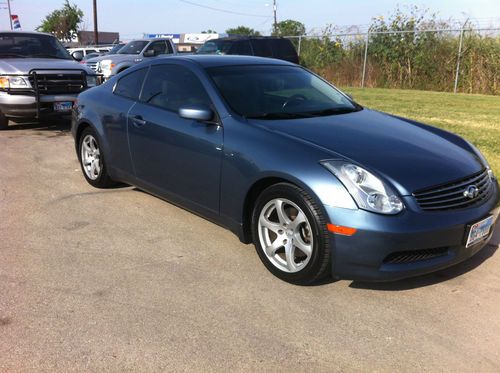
[
  {"x": 92, "y": 65},
  {"x": 451, "y": 195}
]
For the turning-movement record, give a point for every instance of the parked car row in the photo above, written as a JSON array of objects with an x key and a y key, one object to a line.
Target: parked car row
[{"x": 262, "y": 146}]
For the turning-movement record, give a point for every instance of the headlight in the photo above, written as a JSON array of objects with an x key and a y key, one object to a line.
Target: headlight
[
  {"x": 106, "y": 66},
  {"x": 369, "y": 192},
  {"x": 7, "y": 82},
  {"x": 483, "y": 160},
  {"x": 91, "y": 80}
]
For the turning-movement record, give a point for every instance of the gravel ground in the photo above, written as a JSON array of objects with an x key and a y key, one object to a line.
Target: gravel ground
[{"x": 119, "y": 280}]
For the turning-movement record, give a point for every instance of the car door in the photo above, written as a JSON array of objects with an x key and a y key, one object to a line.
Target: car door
[
  {"x": 115, "y": 116},
  {"x": 173, "y": 156},
  {"x": 158, "y": 48}
]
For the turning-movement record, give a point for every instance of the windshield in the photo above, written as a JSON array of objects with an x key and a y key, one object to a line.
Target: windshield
[
  {"x": 215, "y": 47},
  {"x": 278, "y": 92},
  {"x": 19, "y": 45},
  {"x": 116, "y": 48},
  {"x": 134, "y": 47}
]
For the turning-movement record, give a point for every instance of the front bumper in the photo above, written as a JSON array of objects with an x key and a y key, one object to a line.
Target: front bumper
[
  {"x": 25, "y": 106},
  {"x": 425, "y": 241}
]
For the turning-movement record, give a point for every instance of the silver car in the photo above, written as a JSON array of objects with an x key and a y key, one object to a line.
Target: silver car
[
  {"x": 132, "y": 53},
  {"x": 38, "y": 76}
]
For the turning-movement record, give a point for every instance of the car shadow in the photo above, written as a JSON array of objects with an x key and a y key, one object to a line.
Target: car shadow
[{"x": 61, "y": 124}]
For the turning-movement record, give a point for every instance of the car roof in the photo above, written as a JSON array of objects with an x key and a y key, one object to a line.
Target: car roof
[
  {"x": 246, "y": 37},
  {"x": 24, "y": 32},
  {"x": 226, "y": 60}
]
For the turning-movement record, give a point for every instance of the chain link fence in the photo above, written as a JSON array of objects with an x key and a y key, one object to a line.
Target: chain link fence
[{"x": 455, "y": 60}]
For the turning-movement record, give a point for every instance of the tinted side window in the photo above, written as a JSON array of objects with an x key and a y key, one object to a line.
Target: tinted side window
[
  {"x": 262, "y": 47},
  {"x": 172, "y": 86},
  {"x": 242, "y": 47},
  {"x": 130, "y": 85},
  {"x": 159, "y": 47},
  {"x": 284, "y": 49}
]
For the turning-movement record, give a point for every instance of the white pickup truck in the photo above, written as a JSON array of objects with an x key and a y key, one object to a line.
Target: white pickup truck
[
  {"x": 132, "y": 53},
  {"x": 38, "y": 77}
]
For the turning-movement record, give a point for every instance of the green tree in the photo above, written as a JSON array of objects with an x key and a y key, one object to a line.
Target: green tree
[
  {"x": 289, "y": 27},
  {"x": 242, "y": 30},
  {"x": 209, "y": 31},
  {"x": 63, "y": 23}
]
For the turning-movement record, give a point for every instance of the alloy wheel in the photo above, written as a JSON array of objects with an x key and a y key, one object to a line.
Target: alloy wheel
[
  {"x": 91, "y": 157},
  {"x": 285, "y": 235}
]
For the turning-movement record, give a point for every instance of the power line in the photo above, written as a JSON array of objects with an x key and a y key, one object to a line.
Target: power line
[{"x": 223, "y": 10}]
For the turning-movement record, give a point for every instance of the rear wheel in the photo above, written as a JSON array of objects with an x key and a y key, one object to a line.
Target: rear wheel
[
  {"x": 92, "y": 160},
  {"x": 290, "y": 235}
]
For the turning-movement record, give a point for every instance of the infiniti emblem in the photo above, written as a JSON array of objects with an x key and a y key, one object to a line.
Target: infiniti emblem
[{"x": 471, "y": 191}]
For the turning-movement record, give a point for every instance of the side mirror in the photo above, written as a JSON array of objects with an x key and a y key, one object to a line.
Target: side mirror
[
  {"x": 149, "y": 53},
  {"x": 199, "y": 113},
  {"x": 77, "y": 55}
]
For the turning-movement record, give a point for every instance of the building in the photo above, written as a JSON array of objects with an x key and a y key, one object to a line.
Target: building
[
  {"x": 186, "y": 42},
  {"x": 87, "y": 38}
]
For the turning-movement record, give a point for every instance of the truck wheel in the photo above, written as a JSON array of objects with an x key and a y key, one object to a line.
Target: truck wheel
[{"x": 4, "y": 122}]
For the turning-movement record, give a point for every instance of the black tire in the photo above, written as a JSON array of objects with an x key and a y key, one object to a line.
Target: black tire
[
  {"x": 318, "y": 265},
  {"x": 102, "y": 180},
  {"x": 4, "y": 122}
]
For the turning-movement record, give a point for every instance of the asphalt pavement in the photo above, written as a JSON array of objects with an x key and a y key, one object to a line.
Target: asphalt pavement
[{"x": 119, "y": 280}]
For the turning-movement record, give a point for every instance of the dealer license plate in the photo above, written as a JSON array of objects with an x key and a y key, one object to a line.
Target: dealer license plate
[
  {"x": 479, "y": 231},
  {"x": 63, "y": 106}
]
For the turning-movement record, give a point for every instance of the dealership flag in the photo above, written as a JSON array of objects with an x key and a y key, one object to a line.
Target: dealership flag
[{"x": 15, "y": 22}]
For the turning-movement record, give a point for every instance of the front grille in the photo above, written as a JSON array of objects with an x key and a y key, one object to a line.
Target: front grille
[
  {"x": 402, "y": 257},
  {"x": 92, "y": 65},
  {"x": 452, "y": 195},
  {"x": 59, "y": 83}
]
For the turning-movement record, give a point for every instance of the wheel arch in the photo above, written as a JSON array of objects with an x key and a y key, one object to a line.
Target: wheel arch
[
  {"x": 78, "y": 134},
  {"x": 256, "y": 189}
]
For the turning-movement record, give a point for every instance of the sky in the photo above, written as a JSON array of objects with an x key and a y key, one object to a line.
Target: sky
[{"x": 132, "y": 18}]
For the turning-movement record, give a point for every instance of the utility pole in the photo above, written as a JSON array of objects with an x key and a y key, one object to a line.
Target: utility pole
[
  {"x": 275, "y": 19},
  {"x": 96, "y": 32},
  {"x": 10, "y": 14}
]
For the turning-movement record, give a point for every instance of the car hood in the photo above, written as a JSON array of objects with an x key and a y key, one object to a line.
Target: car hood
[
  {"x": 25, "y": 65},
  {"x": 410, "y": 155},
  {"x": 117, "y": 58}
]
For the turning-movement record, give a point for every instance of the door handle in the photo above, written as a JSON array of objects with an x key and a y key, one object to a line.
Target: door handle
[{"x": 138, "y": 121}]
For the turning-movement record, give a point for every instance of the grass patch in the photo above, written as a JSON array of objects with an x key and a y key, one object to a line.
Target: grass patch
[{"x": 474, "y": 117}]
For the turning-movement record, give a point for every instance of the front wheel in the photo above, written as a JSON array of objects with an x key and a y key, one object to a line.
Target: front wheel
[
  {"x": 92, "y": 160},
  {"x": 290, "y": 234}
]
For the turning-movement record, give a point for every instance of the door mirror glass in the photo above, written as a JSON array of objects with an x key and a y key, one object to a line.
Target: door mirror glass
[
  {"x": 77, "y": 55},
  {"x": 196, "y": 112},
  {"x": 149, "y": 53}
]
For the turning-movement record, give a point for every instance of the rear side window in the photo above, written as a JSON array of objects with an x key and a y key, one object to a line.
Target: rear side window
[
  {"x": 262, "y": 47},
  {"x": 284, "y": 49},
  {"x": 130, "y": 85},
  {"x": 171, "y": 86},
  {"x": 242, "y": 47}
]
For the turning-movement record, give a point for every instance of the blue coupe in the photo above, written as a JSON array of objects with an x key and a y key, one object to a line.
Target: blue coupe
[{"x": 320, "y": 185}]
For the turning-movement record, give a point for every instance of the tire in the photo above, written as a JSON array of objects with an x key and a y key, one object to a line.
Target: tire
[
  {"x": 4, "y": 121},
  {"x": 297, "y": 240},
  {"x": 92, "y": 160}
]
